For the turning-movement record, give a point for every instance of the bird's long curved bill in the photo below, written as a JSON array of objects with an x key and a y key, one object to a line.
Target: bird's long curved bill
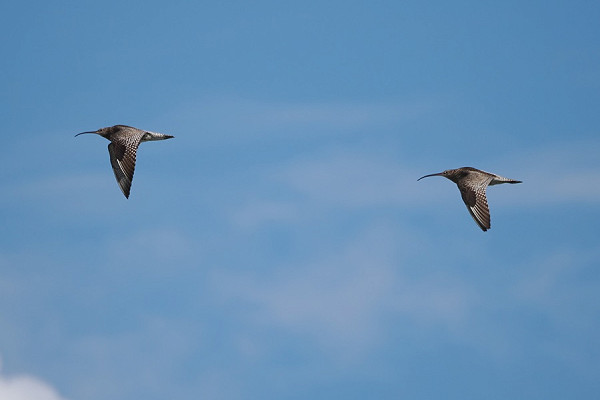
[
  {"x": 438, "y": 174},
  {"x": 83, "y": 133}
]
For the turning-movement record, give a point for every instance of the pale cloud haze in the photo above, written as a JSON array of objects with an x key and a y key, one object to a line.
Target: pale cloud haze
[
  {"x": 25, "y": 387},
  {"x": 280, "y": 246}
]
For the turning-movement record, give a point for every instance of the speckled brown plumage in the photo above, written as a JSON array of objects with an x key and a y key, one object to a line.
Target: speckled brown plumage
[
  {"x": 124, "y": 142},
  {"x": 472, "y": 184}
]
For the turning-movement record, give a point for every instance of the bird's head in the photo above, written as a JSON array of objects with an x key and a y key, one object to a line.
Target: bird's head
[{"x": 105, "y": 132}]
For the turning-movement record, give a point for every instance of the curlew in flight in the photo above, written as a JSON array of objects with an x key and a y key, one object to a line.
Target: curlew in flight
[
  {"x": 124, "y": 142},
  {"x": 472, "y": 184}
]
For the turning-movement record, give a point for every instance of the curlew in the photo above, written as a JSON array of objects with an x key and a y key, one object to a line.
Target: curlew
[
  {"x": 124, "y": 142},
  {"x": 472, "y": 184}
]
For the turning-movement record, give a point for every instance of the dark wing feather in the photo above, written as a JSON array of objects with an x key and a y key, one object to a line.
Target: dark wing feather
[
  {"x": 476, "y": 202},
  {"x": 122, "y": 159}
]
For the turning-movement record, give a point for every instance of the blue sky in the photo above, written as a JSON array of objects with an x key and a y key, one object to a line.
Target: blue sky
[{"x": 280, "y": 246}]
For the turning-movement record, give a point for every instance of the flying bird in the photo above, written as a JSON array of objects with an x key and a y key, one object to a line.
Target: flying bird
[
  {"x": 124, "y": 142},
  {"x": 472, "y": 184}
]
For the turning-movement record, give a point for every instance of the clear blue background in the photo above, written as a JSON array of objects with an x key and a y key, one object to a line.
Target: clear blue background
[{"x": 280, "y": 247}]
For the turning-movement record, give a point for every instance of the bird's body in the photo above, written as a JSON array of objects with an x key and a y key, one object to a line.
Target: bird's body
[
  {"x": 124, "y": 142},
  {"x": 472, "y": 184}
]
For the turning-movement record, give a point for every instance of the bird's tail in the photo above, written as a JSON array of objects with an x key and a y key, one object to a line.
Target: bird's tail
[
  {"x": 155, "y": 136},
  {"x": 500, "y": 179}
]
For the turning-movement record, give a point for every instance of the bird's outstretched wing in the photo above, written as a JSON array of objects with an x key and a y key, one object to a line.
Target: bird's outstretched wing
[
  {"x": 476, "y": 202},
  {"x": 122, "y": 158}
]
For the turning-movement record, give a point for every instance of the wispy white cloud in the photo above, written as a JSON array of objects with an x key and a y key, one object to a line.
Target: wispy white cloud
[
  {"x": 225, "y": 118},
  {"x": 566, "y": 172},
  {"x": 337, "y": 115},
  {"x": 352, "y": 179},
  {"x": 59, "y": 185},
  {"x": 551, "y": 281},
  {"x": 162, "y": 246},
  {"x": 561, "y": 288},
  {"x": 255, "y": 213},
  {"x": 355, "y": 178},
  {"x": 333, "y": 179},
  {"x": 343, "y": 299},
  {"x": 25, "y": 387},
  {"x": 161, "y": 351}
]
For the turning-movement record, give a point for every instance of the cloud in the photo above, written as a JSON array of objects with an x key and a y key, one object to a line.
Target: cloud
[
  {"x": 25, "y": 387},
  {"x": 550, "y": 282},
  {"x": 57, "y": 187},
  {"x": 352, "y": 179},
  {"x": 255, "y": 213},
  {"x": 158, "y": 246},
  {"x": 344, "y": 299},
  {"x": 565, "y": 172},
  {"x": 295, "y": 190},
  {"x": 228, "y": 118},
  {"x": 561, "y": 289}
]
